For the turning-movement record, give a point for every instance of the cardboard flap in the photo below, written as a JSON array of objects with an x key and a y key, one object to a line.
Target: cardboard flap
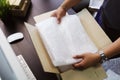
[
  {"x": 40, "y": 49},
  {"x": 93, "y": 73},
  {"x": 42, "y": 16},
  {"x": 93, "y": 29}
]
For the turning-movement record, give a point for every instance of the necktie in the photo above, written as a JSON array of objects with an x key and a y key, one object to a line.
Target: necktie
[{"x": 98, "y": 17}]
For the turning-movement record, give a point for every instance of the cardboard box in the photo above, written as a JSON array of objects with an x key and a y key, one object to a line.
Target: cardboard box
[{"x": 96, "y": 34}]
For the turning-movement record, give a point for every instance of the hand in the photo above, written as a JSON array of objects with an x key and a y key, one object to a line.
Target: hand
[
  {"x": 89, "y": 59},
  {"x": 59, "y": 13}
]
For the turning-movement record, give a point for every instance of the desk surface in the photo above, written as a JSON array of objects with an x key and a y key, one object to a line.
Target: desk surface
[{"x": 26, "y": 48}]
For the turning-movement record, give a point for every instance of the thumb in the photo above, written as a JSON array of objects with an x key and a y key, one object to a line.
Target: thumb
[
  {"x": 78, "y": 56},
  {"x": 54, "y": 14},
  {"x": 80, "y": 64}
]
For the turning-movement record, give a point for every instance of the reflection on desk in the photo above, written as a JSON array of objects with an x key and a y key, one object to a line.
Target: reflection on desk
[{"x": 10, "y": 69}]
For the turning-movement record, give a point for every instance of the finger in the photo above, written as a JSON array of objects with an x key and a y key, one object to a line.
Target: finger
[
  {"x": 58, "y": 19},
  {"x": 53, "y": 15}
]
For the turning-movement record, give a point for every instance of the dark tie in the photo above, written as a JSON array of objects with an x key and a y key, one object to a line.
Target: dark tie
[{"x": 99, "y": 13}]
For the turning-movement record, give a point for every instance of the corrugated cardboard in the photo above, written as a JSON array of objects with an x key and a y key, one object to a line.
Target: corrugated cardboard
[{"x": 95, "y": 32}]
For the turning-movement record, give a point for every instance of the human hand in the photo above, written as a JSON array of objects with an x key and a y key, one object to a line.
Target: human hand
[
  {"x": 59, "y": 13},
  {"x": 88, "y": 59}
]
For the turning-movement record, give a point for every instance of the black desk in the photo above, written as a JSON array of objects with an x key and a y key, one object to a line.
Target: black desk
[{"x": 26, "y": 48}]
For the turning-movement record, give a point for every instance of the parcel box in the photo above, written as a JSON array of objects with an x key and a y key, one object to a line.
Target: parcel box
[{"x": 95, "y": 33}]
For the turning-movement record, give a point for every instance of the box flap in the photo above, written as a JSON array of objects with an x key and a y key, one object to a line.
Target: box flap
[
  {"x": 93, "y": 73},
  {"x": 93, "y": 29},
  {"x": 42, "y": 17},
  {"x": 41, "y": 51}
]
